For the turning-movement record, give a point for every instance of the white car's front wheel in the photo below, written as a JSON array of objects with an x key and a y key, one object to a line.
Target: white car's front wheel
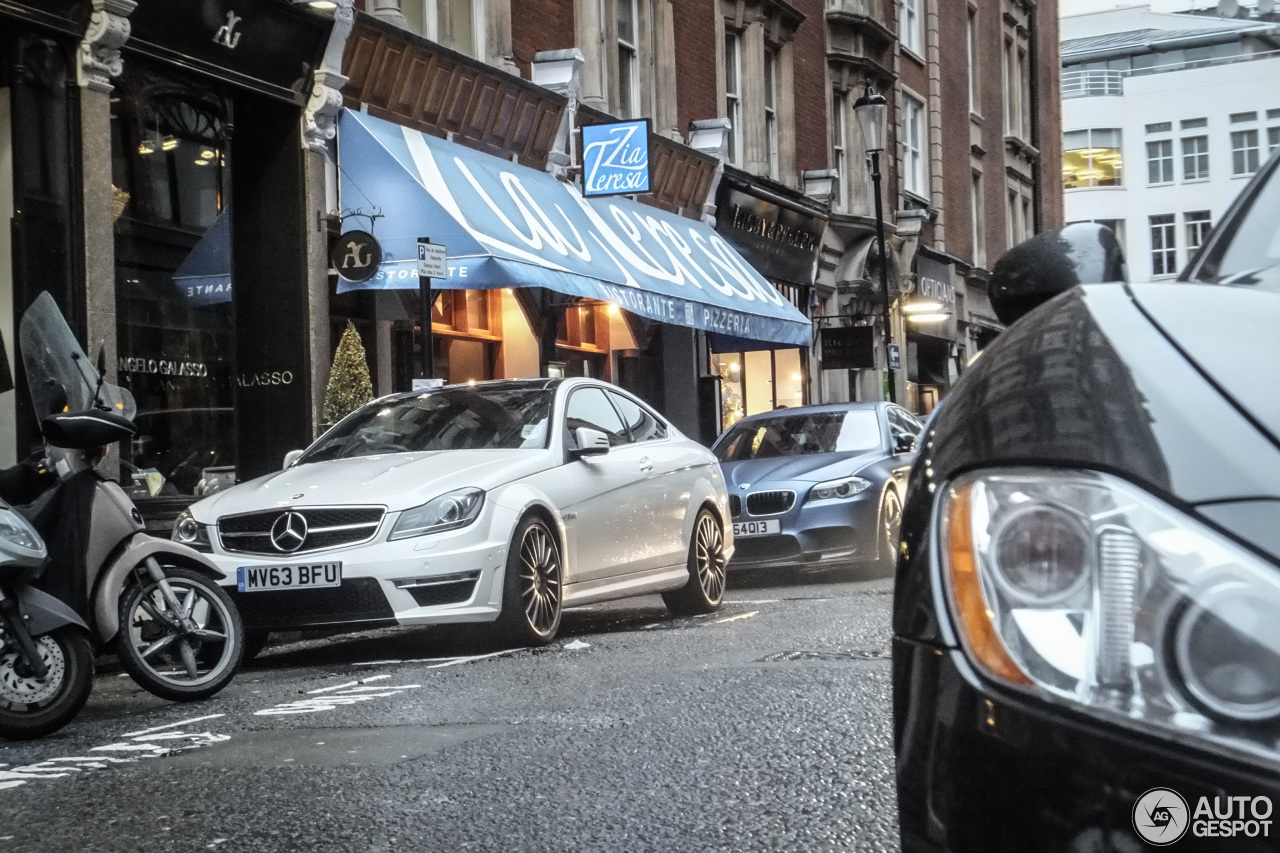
[
  {"x": 707, "y": 564},
  {"x": 532, "y": 589}
]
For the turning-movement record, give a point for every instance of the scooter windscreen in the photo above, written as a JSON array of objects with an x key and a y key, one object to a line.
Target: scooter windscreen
[{"x": 54, "y": 360}]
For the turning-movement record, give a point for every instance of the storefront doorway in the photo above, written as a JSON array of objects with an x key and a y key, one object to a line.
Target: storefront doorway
[{"x": 758, "y": 381}]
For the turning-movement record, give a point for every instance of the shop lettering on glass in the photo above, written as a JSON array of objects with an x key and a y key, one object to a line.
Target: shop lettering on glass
[
  {"x": 266, "y": 378},
  {"x": 936, "y": 289},
  {"x": 163, "y": 367},
  {"x": 615, "y": 158},
  {"x": 226, "y": 34},
  {"x": 356, "y": 255}
]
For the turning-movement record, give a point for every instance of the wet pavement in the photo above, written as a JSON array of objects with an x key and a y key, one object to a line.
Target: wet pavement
[{"x": 765, "y": 726}]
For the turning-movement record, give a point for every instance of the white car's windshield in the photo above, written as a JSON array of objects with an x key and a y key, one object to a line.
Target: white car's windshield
[
  {"x": 463, "y": 418},
  {"x": 1250, "y": 254}
]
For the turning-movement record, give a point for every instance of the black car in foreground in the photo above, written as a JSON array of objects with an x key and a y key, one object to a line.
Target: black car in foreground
[{"x": 1087, "y": 603}]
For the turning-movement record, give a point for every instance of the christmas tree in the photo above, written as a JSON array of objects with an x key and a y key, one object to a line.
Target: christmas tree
[{"x": 349, "y": 386}]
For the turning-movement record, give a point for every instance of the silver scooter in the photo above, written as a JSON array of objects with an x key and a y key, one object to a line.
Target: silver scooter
[
  {"x": 156, "y": 602},
  {"x": 46, "y": 657}
]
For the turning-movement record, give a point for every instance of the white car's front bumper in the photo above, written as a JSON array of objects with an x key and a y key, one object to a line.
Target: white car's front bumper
[{"x": 441, "y": 578}]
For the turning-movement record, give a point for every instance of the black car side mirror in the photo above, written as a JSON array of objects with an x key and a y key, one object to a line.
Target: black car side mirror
[
  {"x": 591, "y": 442},
  {"x": 1037, "y": 270},
  {"x": 904, "y": 444}
]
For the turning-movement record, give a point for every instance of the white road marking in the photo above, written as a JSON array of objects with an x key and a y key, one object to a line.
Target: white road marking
[
  {"x": 173, "y": 725},
  {"x": 749, "y": 601},
  {"x": 575, "y": 645},
  {"x": 334, "y": 687},
  {"x": 736, "y": 618}
]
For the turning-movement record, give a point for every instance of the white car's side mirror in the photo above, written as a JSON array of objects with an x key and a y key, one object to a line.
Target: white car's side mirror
[
  {"x": 291, "y": 457},
  {"x": 591, "y": 442}
]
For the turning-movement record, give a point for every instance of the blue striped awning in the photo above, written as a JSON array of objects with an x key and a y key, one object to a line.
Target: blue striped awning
[{"x": 506, "y": 225}]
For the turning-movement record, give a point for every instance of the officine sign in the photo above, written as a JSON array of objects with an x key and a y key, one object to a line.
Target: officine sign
[{"x": 615, "y": 158}]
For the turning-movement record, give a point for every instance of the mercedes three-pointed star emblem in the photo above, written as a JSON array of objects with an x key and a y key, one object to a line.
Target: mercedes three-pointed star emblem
[{"x": 289, "y": 531}]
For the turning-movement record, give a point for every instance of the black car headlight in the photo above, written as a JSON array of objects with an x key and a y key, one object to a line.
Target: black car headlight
[
  {"x": 190, "y": 532},
  {"x": 1091, "y": 592},
  {"x": 845, "y": 487},
  {"x": 448, "y": 512}
]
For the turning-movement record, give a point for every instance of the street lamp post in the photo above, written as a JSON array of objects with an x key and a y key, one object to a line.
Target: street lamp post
[{"x": 872, "y": 111}]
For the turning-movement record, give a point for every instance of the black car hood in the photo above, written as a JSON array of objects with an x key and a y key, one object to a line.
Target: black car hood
[
  {"x": 1090, "y": 380},
  {"x": 1231, "y": 334},
  {"x": 808, "y": 467}
]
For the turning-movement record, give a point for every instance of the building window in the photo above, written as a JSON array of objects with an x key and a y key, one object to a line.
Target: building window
[
  {"x": 972, "y": 37},
  {"x": 1164, "y": 245},
  {"x": 1195, "y": 158},
  {"x": 1092, "y": 158},
  {"x": 1244, "y": 152},
  {"x": 910, "y": 26},
  {"x": 733, "y": 94},
  {"x": 839, "y": 149},
  {"x": 914, "y": 177},
  {"x": 1198, "y": 224},
  {"x": 456, "y": 24},
  {"x": 628, "y": 59},
  {"x": 771, "y": 110},
  {"x": 1160, "y": 162},
  {"x": 1273, "y": 140},
  {"x": 978, "y": 229}
]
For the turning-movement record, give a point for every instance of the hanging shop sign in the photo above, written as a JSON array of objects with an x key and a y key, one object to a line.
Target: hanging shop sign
[
  {"x": 270, "y": 47},
  {"x": 615, "y": 158},
  {"x": 933, "y": 281},
  {"x": 780, "y": 242},
  {"x": 848, "y": 347},
  {"x": 356, "y": 255}
]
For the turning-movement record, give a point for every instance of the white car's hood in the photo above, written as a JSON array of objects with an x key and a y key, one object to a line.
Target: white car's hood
[{"x": 394, "y": 480}]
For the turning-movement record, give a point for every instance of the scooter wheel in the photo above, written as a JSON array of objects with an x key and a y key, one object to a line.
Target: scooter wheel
[
  {"x": 162, "y": 658},
  {"x": 31, "y": 708}
]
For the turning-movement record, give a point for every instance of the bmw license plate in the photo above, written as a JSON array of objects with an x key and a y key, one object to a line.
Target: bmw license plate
[
  {"x": 757, "y": 528},
  {"x": 305, "y": 576}
]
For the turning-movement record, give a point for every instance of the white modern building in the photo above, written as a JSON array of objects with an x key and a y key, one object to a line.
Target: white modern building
[{"x": 1164, "y": 118}]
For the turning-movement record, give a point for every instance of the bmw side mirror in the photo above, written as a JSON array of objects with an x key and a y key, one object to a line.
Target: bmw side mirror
[
  {"x": 1033, "y": 272},
  {"x": 291, "y": 457},
  {"x": 590, "y": 442}
]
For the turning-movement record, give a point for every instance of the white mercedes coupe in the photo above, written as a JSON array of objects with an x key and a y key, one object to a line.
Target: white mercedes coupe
[{"x": 500, "y": 502}]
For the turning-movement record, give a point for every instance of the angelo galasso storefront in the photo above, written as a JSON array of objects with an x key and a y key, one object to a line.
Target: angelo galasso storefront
[
  {"x": 632, "y": 289},
  {"x": 779, "y": 232},
  {"x": 129, "y": 128}
]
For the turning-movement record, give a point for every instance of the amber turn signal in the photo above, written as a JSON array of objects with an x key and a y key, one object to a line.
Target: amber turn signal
[{"x": 972, "y": 614}]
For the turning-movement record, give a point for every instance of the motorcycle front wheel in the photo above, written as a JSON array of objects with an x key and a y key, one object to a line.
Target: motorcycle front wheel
[
  {"x": 172, "y": 660},
  {"x": 31, "y": 707}
]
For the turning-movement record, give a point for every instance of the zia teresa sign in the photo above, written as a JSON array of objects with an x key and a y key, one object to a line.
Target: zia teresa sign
[{"x": 615, "y": 158}]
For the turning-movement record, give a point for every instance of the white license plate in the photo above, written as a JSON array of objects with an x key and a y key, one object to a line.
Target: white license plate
[
  {"x": 301, "y": 576},
  {"x": 757, "y": 528}
]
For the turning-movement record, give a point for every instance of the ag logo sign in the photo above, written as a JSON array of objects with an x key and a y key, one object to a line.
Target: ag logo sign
[
  {"x": 356, "y": 256},
  {"x": 1160, "y": 816}
]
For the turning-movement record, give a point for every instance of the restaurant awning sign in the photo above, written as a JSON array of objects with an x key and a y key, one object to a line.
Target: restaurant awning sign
[{"x": 615, "y": 158}]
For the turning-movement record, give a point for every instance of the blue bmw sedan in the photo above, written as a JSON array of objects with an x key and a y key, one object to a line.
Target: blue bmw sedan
[{"x": 817, "y": 486}]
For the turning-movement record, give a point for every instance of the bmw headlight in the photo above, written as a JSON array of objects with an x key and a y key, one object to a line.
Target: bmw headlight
[
  {"x": 17, "y": 530},
  {"x": 1092, "y": 592},
  {"x": 190, "y": 532},
  {"x": 447, "y": 512},
  {"x": 846, "y": 487}
]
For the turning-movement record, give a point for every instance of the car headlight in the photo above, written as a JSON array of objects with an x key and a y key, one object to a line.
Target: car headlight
[
  {"x": 1089, "y": 591},
  {"x": 845, "y": 487},
  {"x": 16, "y": 529},
  {"x": 447, "y": 512},
  {"x": 190, "y": 532}
]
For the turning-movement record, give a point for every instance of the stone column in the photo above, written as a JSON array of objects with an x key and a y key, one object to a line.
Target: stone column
[
  {"x": 589, "y": 27},
  {"x": 666, "y": 116},
  {"x": 98, "y": 60},
  {"x": 755, "y": 145},
  {"x": 389, "y": 11},
  {"x": 497, "y": 41}
]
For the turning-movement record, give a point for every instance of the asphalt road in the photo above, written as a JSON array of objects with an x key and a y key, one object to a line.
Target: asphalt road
[{"x": 765, "y": 726}]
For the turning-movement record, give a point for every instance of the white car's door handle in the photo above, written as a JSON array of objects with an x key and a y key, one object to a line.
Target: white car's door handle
[{"x": 645, "y": 464}]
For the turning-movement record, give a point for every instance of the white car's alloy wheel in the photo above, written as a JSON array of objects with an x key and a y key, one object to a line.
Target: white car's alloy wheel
[{"x": 540, "y": 579}]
